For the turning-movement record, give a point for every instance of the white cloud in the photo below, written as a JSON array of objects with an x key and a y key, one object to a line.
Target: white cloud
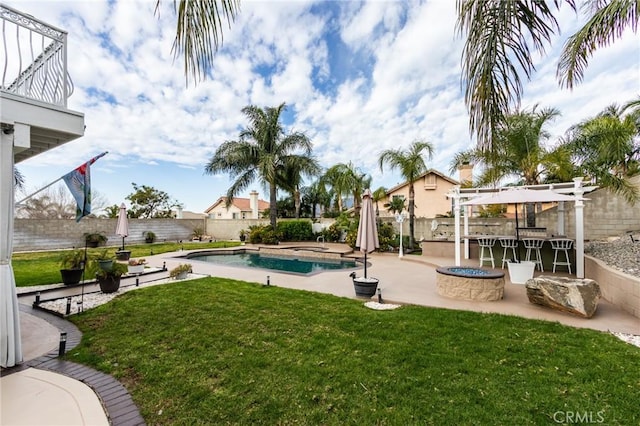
[{"x": 393, "y": 78}]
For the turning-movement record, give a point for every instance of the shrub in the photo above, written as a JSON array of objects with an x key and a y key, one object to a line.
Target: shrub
[
  {"x": 263, "y": 235},
  {"x": 386, "y": 236},
  {"x": 295, "y": 230}
]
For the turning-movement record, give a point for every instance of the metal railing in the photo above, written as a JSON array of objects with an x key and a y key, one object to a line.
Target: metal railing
[{"x": 34, "y": 61}]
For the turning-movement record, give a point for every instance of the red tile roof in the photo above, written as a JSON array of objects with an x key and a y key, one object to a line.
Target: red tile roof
[{"x": 243, "y": 204}]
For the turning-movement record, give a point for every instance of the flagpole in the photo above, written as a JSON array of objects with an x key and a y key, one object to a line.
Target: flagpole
[
  {"x": 38, "y": 191},
  {"x": 55, "y": 181}
]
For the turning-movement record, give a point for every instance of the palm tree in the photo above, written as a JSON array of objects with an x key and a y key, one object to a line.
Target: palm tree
[
  {"x": 314, "y": 195},
  {"x": 519, "y": 151},
  {"x": 500, "y": 36},
  {"x": 345, "y": 180},
  {"x": 199, "y": 32},
  {"x": 607, "y": 147},
  {"x": 262, "y": 151},
  {"x": 290, "y": 179},
  {"x": 376, "y": 196},
  {"x": 411, "y": 164}
]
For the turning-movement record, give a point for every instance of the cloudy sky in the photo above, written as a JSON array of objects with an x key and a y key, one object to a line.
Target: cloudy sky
[{"x": 357, "y": 78}]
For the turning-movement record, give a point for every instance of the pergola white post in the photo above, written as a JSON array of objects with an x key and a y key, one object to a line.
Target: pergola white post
[
  {"x": 579, "y": 206},
  {"x": 467, "y": 212},
  {"x": 456, "y": 209}
]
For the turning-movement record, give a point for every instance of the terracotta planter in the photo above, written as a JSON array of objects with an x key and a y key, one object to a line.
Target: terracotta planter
[
  {"x": 71, "y": 276},
  {"x": 365, "y": 287},
  {"x": 109, "y": 283}
]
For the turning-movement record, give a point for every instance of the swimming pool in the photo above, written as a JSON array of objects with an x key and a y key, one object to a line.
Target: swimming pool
[{"x": 295, "y": 265}]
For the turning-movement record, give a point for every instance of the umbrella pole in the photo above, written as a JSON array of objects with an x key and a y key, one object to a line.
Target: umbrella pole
[
  {"x": 365, "y": 264},
  {"x": 122, "y": 243}
]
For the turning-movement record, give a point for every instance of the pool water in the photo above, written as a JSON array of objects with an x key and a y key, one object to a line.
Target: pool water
[{"x": 303, "y": 265}]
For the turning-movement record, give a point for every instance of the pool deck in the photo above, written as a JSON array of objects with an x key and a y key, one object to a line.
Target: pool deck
[{"x": 411, "y": 280}]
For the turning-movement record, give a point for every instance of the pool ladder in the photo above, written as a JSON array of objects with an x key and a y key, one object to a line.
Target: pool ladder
[{"x": 321, "y": 237}]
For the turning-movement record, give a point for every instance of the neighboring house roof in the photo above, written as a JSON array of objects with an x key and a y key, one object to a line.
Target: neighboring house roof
[
  {"x": 242, "y": 204},
  {"x": 430, "y": 171}
]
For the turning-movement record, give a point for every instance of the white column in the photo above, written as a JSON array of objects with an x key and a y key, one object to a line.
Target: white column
[
  {"x": 579, "y": 206},
  {"x": 467, "y": 212},
  {"x": 560, "y": 219},
  {"x": 456, "y": 240}
]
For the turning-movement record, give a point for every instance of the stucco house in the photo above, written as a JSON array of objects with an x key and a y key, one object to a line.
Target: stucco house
[
  {"x": 240, "y": 208},
  {"x": 430, "y": 189}
]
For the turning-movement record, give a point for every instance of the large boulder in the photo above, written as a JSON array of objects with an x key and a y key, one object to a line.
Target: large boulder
[{"x": 573, "y": 295}]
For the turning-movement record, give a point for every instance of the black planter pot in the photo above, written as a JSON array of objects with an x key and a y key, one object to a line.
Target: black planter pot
[
  {"x": 71, "y": 276},
  {"x": 109, "y": 283},
  {"x": 93, "y": 244},
  {"x": 123, "y": 254},
  {"x": 365, "y": 287}
]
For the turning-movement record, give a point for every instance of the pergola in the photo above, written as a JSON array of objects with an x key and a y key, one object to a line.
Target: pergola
[{"x": 560, "y": 192}]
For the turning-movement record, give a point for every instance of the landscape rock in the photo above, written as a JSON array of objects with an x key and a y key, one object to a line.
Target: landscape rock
[{"x": 573, "y": 295}]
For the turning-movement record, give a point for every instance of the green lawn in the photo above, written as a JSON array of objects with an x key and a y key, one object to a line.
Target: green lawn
[
  {"x": 218, "y": 351},
  {"x": 43, "y": 267}
]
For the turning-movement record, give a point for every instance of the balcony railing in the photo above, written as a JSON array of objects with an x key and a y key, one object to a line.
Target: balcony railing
[{"x": 34, "y": 63}]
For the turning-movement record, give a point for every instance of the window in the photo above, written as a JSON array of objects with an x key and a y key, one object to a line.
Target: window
[
  {"x": 430, "y": 181},
  {"x": 234, "y": 215}
]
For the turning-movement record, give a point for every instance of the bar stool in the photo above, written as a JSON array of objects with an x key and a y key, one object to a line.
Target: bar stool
[
  {"x": 486, "y": 242},
  {"x": 561, "y": 244},
  {"x": 534, "y": 245},
  {"x": 508, "y": 243}
]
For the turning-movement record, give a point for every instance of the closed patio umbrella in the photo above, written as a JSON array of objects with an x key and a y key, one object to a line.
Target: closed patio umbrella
[
  {"x": 367, "y": 238},
  {"x": 122, "y": 227}
]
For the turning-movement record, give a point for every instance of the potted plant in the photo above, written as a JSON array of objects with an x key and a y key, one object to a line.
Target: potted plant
[
  {"x": 71, "y": 266},
  {"x": 136, "y": 266},
  {"x": 243, "y": 235},
  {"x": 103, "y": 260},
  {"x": 95, "y": 239},
  {"x": 149, "y": 237},
  {"x": 109, "y": 281},
  {"x": 180, "y": 272}
]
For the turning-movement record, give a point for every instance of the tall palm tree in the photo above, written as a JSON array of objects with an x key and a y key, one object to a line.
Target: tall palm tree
[
  {"x": 607, "y": 147},
  {"x": 411, "y": 164},
  {"x": 262, "y": 151},
  {"x": 376, "y": 196},
  {"x": 500, "y": 36},
  {"x": 316, "y": 195}
]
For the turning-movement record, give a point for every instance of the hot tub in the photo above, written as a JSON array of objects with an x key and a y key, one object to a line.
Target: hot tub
[{"x": 468, "y": 283}]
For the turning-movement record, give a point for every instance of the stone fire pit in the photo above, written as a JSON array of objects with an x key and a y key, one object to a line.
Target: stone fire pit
[{"x": 468, "y": 283}]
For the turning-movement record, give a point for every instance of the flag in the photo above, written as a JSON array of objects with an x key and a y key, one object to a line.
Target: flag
[{"x": 79, "y": 183}]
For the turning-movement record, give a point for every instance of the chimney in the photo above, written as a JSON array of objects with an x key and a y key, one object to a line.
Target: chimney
[
  {"x": 465, "y": 173},
  {"x": 253, "y": 203}
]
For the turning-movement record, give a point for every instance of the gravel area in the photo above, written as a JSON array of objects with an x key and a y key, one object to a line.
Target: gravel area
[{"x": 619, "y": 253}]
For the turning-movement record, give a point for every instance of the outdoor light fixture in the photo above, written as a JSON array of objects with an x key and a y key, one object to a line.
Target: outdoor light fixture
[
  {"x": 380, "y": 296},
  {"x": 268, "y": 280},
  {"x": 68, "y": 312},
  {"x": 63, "y": 343},
  {"x": 137, "y": 281},
  {"x": 37, "y": 299},
  {"x": 79, "y": 304},
  {"x": 164, "y": 266}
]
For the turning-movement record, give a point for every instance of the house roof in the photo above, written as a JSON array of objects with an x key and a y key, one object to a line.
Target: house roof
[
  {"x": 430, "y": 171},
  {"x": 242, "y": 204}
]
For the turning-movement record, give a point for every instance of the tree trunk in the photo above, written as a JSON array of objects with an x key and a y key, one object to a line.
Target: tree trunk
[
  {"x": 273, "y": 210},
  {"x": 296, "y": 202},
  {"x": 412, "y": 196}
]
